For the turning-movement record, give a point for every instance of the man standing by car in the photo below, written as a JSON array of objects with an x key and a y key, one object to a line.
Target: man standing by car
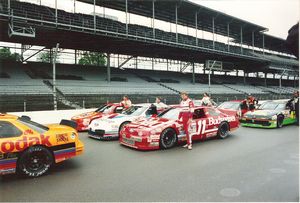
[
  {"x": 186, "y": 117},
  {"x": 251, "y": 102},
  {"x": 294, "y": 105},
  {"x": 126, "y": 103}
]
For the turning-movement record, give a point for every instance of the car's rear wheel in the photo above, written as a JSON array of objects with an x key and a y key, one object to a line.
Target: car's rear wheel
[
  {"x": 280, "y": 121},
  {"x": 223, "y": 130},
  {"x": 168, "y": 138},
  {"x": 35, "y": 161}
]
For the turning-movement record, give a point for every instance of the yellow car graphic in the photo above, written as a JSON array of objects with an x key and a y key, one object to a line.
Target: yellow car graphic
[{"x": 31, "y": 149}]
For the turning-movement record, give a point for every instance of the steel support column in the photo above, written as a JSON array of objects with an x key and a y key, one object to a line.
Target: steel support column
[
  {"x": 167, "y": 64},
  {"x": 56, "y": 12},
  {"x": 74, "y": 6},
  {"x": 126, "y": 12},
  {"x": 94, "y": 16},
  {"x": 196, "y": 26},
  {"x": 136, "y": 62},
  {"x": 8, "y": 6},
  {"x": 152, "y": 63},
  {"x": 244, "y": 78},
  {"x": 153, "y": 18},
  {"x": 263, "y": 41},
  {"x": 54, "y": 77},
  {"x": 108, "y": 67},
  {"x": 213, "y": 29},
  {"x": 266, "y": 74},
  {"x": 75, "y": 56},
  {"x": 241, "y": 39},
  {"x": 176, "y": 18},
  {"x": 228, "y": 30},
  {"x": 252, "y": 41},
  {"x": 193, "y": 79}
]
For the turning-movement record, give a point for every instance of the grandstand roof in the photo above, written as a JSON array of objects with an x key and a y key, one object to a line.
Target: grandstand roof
[{"x": 165, "y": 10}]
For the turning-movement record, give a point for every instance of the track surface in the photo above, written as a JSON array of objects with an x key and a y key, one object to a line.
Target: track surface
[{"x": 250, "y": 165}]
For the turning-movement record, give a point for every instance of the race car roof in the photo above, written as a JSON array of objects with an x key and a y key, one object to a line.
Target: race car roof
[{"x": 8, "y": 117}]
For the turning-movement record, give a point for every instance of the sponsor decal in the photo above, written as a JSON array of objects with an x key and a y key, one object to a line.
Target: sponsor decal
[
  {"x": 62, "y": 137},
  {"x": 25, "y": 142},
  {"x": 213, "y": 121},
  {"x": 28, "y": 132}
]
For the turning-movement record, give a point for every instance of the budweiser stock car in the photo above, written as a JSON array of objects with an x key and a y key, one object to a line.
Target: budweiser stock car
[
  {"x": 165, "y": 131},
  {"x": 84, "y": 119},
  {"x": 31, "y": 149}
]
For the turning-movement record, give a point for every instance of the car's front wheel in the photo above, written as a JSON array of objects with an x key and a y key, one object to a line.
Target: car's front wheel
[
  {"x": 280, "y": 121},
  {"x": 35, "y": 161},
  {"x": 168, "y": 138}
]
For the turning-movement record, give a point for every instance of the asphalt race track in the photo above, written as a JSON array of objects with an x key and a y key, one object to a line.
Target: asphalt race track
[{"x": 250, "y": 165}]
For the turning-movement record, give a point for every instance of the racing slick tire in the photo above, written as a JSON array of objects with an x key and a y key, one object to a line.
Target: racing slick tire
[
  {"x": 223, "y": 130},
  {"x": 35, "y": 161},
  {"x": 168, "y": 139},
  {"x": 122, "y": 125},
  {"x": 280, "y": 121}
]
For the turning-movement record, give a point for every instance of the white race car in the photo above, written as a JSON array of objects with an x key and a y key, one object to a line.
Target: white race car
[{"x": 108, "y": 127}]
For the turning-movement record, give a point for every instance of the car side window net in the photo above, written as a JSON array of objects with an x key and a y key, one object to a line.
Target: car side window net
[{"x": 199, "y": 113}]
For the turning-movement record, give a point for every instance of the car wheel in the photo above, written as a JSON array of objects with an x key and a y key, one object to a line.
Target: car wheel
[
  {"x": 35, "y": 161},
  {"x": 280, "y": 121},
  {"x": 223, "y": 130},
  {"x": 122, "y": 126},
  {"x": 168, "y": 138}
]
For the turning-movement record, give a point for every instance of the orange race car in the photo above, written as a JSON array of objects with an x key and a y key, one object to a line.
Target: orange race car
[
  {"x": 83, "y": 120},
  {"x": 31, "y": 149}
]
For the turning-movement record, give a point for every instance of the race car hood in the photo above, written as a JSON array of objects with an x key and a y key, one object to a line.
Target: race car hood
[
  {"x": 86, "y": 115},
  {"x": 261, "y": 113}
]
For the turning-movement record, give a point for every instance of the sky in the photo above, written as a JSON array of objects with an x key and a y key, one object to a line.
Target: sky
[{"x": 277, "y": 15}]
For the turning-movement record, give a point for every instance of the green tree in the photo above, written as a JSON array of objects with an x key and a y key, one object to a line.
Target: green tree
[
  {"x": 45, "y": 57},
  {"x": 92, "y": 58},
  {"x": 6, "y": 54}
]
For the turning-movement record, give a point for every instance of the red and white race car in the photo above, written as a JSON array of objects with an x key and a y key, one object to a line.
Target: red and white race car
[
  {"x": 165, "y": 131},
  {"x": 83, "y": 120}
]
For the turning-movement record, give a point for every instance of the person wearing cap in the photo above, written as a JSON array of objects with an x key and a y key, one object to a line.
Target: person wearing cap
[{"x": 186, "y": 117}]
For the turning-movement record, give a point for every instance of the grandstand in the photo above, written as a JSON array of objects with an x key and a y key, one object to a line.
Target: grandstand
[{"x": 29, "y": 85}]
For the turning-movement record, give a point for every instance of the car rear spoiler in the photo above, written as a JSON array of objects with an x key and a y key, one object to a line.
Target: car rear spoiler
[{"x": 69, "y": 123}]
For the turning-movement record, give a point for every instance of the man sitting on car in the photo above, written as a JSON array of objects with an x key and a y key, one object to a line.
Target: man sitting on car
[{"x": 126, "y": 103}]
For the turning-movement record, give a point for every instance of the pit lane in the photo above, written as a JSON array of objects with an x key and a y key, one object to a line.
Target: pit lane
[{"x": 250, "y": 165}]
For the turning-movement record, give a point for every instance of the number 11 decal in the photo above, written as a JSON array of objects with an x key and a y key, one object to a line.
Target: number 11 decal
[{"x": 201, "y": 127}]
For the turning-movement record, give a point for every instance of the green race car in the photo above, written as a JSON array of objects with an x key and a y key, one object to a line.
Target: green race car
[{"x": 273, "y": 114}]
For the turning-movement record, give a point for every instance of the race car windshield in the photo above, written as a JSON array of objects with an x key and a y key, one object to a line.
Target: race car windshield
[
  {"x": 171, "y": 114},
  {"x": 103, "y": 108},
  {"x": 229, "y": 105},
  {"x": 134, "y": 110},
  {"x": 269, "y": 106},
  {"x": 33, "y": 125}
]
